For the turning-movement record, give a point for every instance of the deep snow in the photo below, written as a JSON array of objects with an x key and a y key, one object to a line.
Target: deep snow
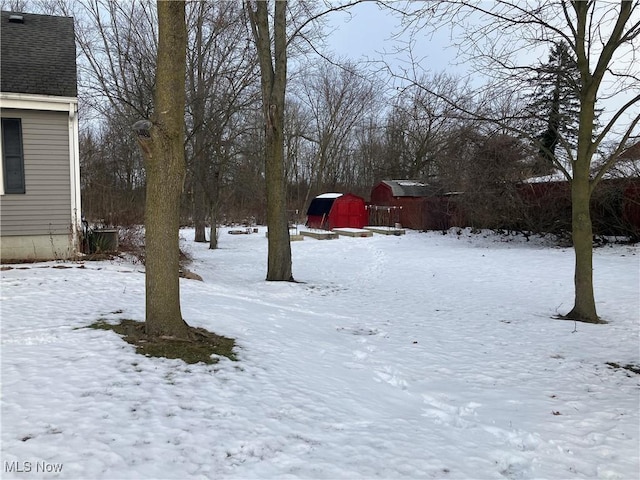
[{"x": 418, "y": 356}]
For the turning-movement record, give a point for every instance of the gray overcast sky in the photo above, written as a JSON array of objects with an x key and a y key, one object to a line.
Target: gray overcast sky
[{"x": 368, "y": 31}]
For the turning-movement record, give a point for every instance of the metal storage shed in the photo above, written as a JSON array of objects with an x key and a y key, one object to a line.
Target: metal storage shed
[{"x": 337, "y": 210}]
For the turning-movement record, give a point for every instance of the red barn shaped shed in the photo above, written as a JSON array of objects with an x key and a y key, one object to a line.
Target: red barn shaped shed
[
  {"x": 418, "y": 206},
  {"x": 407, "y": 195},
  {"x": 337, "y": 210}
]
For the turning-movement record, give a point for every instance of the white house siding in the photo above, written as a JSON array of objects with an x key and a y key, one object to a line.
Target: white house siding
[{"x": 45, "y": 209}]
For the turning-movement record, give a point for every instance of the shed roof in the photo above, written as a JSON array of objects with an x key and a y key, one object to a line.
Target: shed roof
[
  {"x": 329, "y": 195},
  {"x": 409, "y": 188},
  {"x": 37, "y": 54}
]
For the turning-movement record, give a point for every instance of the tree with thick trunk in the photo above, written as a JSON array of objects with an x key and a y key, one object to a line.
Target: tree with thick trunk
[
  {"x": 271, "y": 48},
  {"x": 162, "y": 144},
  {"x": 273, "y": 70},
  {"x": 624, "y": 29}
]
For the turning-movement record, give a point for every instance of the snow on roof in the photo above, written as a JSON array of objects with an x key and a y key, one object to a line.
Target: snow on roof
[
  {"x": 623, "y": 168},
  {"x": 330, "y": 195},
  {"x": 408, "y": 188},
  {"x": 409, "y": 183},
  {"x": 557, "y": 176}
]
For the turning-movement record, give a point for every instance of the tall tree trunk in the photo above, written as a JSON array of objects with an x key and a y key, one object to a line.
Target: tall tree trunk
[
  {"x": 214, "y": 234},
  {"x": 273, "y": 73},
  {"x": 584, "y": 308},
  {"x": 165, "y": 168},
  {"x": 214, "y": 208},
  {"x": 200, "y": 180},
  {"x": 199, "y": 153},
  {"x": 582, "y": 233},
  {"x": 279, "y": 260},
  {"x": 199, "y": 208}
]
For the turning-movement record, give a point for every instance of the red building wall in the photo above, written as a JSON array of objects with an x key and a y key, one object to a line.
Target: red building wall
[
  {"x": 345, "y": 211},
  {"x": 412, "y": 209},
  {"x": 348, "y": 211}
]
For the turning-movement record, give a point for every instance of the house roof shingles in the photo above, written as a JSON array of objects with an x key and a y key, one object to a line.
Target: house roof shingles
[{"x": 38, "y": 56}]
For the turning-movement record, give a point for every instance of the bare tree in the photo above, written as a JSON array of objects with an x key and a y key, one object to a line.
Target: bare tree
[
  {"x": 272, "y": 44},
  {"x": 419, "y": 123},
  {"x": 116, "y": 65},
  {"x": 585, "y": 28},
  {"x": 15, "y": 5},
  {"x": 118, "y": 55},
  {"x": 197, "y": 87},
  {"x": 162, "y": 142},
  {"x": 298, "y": 150},
  {"x": 273, "y": 68},
  {"x": 113, "y": 178},
  {"x": 339, "y": 99},
  {"x": 603, "y": 38},
  {"x": 370, "y": 154},
  {"x": 221, "y": 80}
]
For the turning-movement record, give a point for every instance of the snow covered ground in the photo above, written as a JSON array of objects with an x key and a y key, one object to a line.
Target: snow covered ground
[{"x": 414, "y": 356}]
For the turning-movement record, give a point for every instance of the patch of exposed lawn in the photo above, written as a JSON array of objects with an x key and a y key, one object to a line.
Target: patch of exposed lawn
[{"x": 203, "y": 346}]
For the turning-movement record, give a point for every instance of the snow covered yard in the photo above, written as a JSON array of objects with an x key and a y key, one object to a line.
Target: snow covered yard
[{"x": 415, "y": 356}]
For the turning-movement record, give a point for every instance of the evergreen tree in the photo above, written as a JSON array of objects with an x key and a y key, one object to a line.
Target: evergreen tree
[{"x": 555, "y": 107}]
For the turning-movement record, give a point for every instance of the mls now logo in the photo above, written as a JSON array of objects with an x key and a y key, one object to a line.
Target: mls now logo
[{"x": 27, "y": 467}]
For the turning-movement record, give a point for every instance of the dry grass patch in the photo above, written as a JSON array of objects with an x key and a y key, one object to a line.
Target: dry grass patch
[{"x": 203, "y": 346}]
